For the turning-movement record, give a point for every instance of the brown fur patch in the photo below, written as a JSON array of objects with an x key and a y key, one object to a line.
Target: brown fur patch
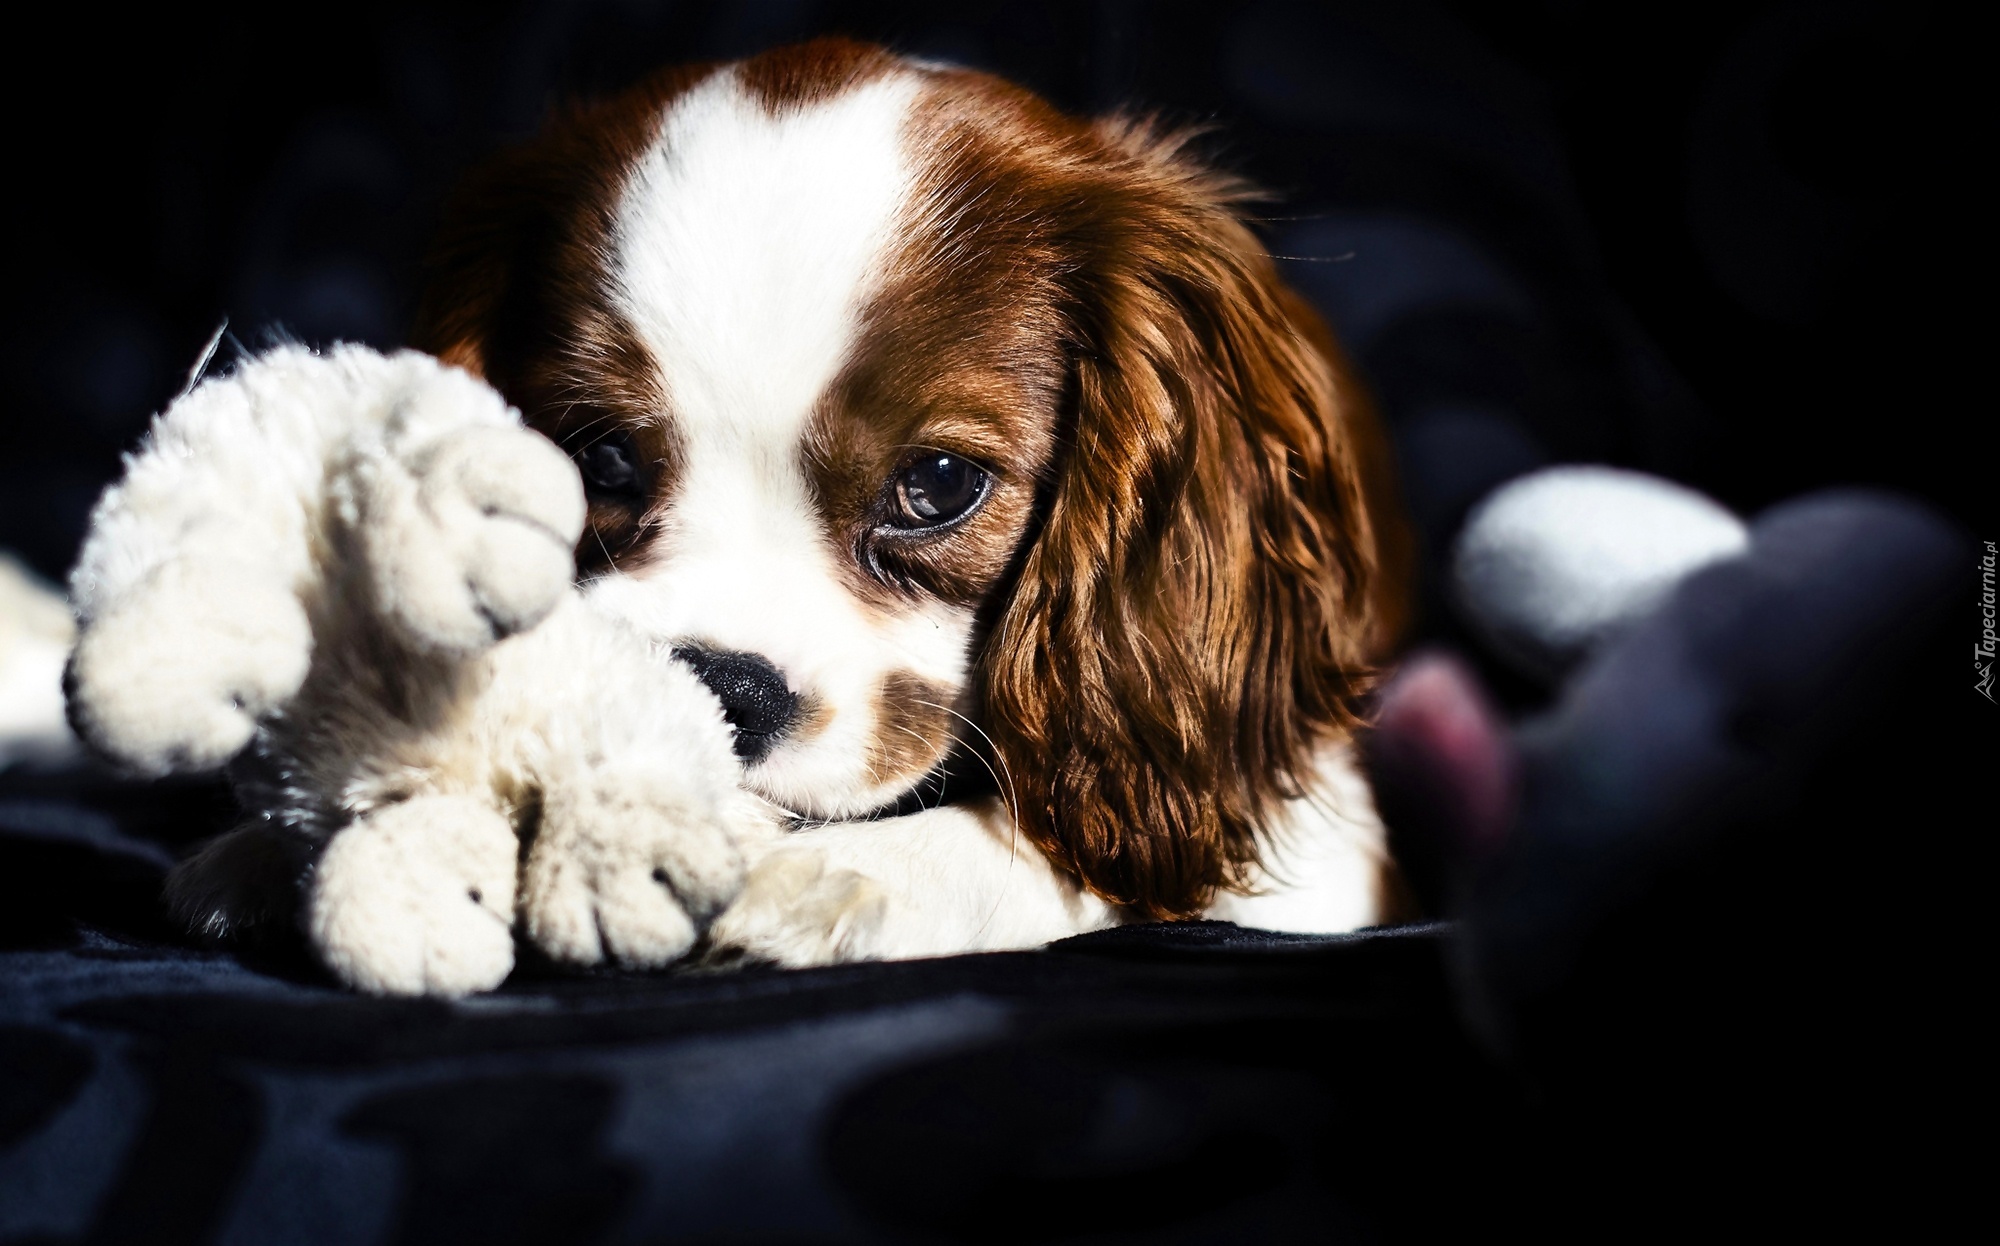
[
  {"x": 912, "y": 727},
  {"x": 788, "y": 79},
  {"x": 813, "y": 716}
]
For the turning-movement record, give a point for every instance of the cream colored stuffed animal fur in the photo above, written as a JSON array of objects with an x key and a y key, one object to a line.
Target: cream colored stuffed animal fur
[{"x": 352, "y": 574}]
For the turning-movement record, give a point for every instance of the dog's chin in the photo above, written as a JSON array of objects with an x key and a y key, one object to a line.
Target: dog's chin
[
  {"x": 957, "y": 776},
  {"x": 814, "y": 787}
]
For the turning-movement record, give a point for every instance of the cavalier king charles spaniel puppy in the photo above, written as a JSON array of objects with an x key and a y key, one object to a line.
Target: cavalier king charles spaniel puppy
[{"x": 977, "y": 544}]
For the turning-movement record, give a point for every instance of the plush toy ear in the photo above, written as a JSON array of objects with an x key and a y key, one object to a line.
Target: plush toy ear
[{"x": 1199, "y": 612}]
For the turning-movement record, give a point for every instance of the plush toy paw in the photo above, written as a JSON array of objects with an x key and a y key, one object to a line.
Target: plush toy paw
[
  {"x": 629, "y": 867},
  {"x": 418, "y": 899},
  {"x": 798, "y": 909},
  {"x": 466, "y": 539},
  {"x": 174, "y": 676}
]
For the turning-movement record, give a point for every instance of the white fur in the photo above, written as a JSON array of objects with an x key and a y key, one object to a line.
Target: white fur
[
  {"x": 1324, "y": 862},
  {"x": 745, "y": 248}
]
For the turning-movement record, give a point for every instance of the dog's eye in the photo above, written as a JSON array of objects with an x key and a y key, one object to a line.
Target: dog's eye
[
  {"x": 610, "y": 465},
  {"x": 937, "y": 489}
]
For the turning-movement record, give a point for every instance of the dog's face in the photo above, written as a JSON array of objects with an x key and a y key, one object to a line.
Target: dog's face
[
  {"x": 913, "y": 413},
  {"x": 837, "y": 466}
]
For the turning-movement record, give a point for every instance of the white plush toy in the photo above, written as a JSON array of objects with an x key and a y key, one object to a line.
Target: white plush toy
[
  {"x": 352, "y": 573},
  {"x": 1551, "y": 565}
]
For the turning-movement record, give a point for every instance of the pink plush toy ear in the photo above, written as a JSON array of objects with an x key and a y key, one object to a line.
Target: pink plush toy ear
[{"x": 1445, "y": 773}]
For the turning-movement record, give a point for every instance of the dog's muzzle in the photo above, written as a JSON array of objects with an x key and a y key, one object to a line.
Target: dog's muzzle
[{"x": 755, "y": 697}]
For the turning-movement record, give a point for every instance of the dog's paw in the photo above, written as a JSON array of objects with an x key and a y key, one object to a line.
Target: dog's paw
[
  {"x": 629, "y": 867},
  {"x": 418, "y": 899},
  {"x": 467, "y": 538},
  {"x": 797, "y": 908},
  {"x": 174, "y": 676}
]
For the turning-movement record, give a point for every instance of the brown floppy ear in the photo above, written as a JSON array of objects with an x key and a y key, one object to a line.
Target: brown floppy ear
[
  {"x": 489, "y": 221},
  {"x": 514, "y": 278},
  {"x": 1197, "y": 613},
  {"x": 490, "y": 274}
]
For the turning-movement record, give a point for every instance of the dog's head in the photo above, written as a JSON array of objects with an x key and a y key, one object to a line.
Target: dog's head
[{"x": 918, "y": 415}]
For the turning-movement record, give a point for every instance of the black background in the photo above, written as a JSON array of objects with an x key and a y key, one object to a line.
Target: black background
[{"x": 1737, "y": 223}]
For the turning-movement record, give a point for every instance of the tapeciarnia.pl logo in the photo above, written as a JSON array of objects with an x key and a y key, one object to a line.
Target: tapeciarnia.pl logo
[{"x": 1982, "y": 653}]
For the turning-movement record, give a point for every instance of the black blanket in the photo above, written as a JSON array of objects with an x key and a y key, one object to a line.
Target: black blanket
[{"x": 1191, "y": 1082}]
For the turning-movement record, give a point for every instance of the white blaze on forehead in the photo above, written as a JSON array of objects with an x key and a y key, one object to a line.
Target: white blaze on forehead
[
  {"x": 746, "y": 244},
  {"x": 745, "y": 248}
]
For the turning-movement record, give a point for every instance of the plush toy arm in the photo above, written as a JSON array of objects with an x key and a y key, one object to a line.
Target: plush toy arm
[{"x": 300, "y": 485}]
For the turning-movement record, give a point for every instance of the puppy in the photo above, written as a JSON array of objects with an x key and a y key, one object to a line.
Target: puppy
[{"x": 977, "y": 544}]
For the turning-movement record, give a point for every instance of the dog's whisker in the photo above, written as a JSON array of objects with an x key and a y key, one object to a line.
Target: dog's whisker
[
  {"x": 1013, "y": 798},
  {"x": 1013, "y": 845},
  {"x": 868, "y": 759},
  {"x": 929, "y": 746},
  {"x": 1013, "y": 809},
  {"x": 582, "y": 429},
  {"x": 597, "y": 536}
]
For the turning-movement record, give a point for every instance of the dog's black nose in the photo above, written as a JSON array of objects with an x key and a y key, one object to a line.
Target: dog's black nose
[{"x": 754, "y": 697}]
